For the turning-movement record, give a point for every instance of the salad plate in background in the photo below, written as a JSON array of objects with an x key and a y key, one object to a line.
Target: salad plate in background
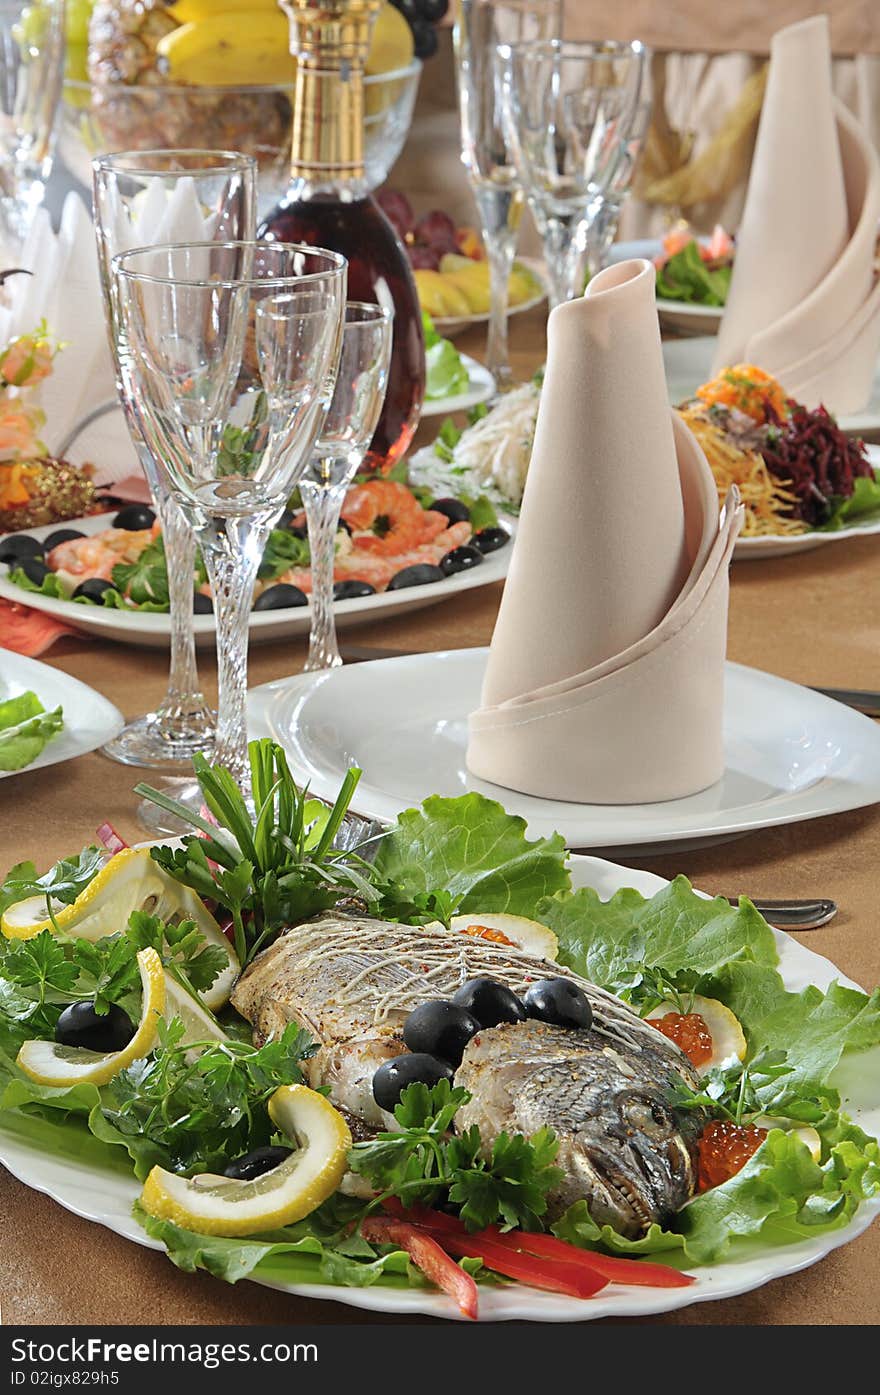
[
  {"x": 693, "y": 276},
  {"x": 74, "y": 718},
  {"x": 790, "y": 753},
  {"x": 803, "y": 1192}
]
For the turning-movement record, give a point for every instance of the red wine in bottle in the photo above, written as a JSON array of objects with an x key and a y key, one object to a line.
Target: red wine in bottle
[{"x": 329, "y": 205}]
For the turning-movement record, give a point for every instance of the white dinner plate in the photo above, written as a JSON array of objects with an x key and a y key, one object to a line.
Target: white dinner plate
[
  {"x": 790, "y": 753},
  {"x": 153, "y": 631},
  {"x": 89, "y": 719},
  {"x": 688, "y": 363},
  {"x": 106, "y": 1196},
  {"x": 450, "y": 325},
  {"x": 679, "y": 315},
  {"x": 481, "y": 386}
]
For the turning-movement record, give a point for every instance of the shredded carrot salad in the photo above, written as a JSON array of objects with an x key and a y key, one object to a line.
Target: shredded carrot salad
[{"x": 769, "y": 502}]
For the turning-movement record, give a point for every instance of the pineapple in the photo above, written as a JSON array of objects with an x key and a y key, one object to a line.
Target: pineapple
[{"x": 123, "y": 40}]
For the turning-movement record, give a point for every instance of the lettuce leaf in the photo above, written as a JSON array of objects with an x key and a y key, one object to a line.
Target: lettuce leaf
[
  {"x": 472, "y": 849},
  {"x": 25, "y": 728},
  {"x": 864, "y": 500},
  {"x": 445, "y": 374},
  {"x": 688, "y": 278},
  {"x": 609, "y": 941},
  {"x": 781, "y": 1196}
]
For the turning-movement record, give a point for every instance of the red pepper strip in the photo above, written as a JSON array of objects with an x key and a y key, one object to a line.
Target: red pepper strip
[
  {"x": 611, "y": 1267},
  {"x": 572, "y": 1279},
  {"x": 428, "y": 1256}
]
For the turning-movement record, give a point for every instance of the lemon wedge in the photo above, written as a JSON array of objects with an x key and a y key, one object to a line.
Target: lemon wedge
[
  {"x": 130, "y": 881},
  {"x": 50, "y": 1063},
  {"x": 516, "y": 930},
  {"x": 805, "y": 1132},
  {"x": 215, "y": 1205},
  {"x": 728, "y": 1040},
  {"x": 198, "y": 1025}
]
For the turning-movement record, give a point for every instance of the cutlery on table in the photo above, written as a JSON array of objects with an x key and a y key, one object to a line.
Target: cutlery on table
[
  {"x": 859, "y": 698},
  {"x": 795, "y": 914}
]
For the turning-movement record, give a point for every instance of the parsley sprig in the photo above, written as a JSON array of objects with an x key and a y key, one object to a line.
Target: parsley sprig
[
  {"x": 204, "y": 1103},
  {"x": 62, "y": 884},
  {"x": 424, "y": 1163},
  {"x": 746, "y": 1091},
  {"x": 652, "y": 985}
]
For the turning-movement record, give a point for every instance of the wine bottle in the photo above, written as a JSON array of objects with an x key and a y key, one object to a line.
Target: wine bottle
[{"x": 329, "y": 204}]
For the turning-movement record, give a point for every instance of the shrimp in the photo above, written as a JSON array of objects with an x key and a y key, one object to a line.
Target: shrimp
[
  {"x": 96, "y": 556},
  {"x": 388, "y": 519}
]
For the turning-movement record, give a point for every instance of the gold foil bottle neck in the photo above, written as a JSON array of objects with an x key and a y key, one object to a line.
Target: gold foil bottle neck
[{"x": 331, "y": 41}]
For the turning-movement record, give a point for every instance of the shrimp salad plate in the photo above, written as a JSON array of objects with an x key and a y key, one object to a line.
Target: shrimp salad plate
[
  {"x": 450, "y": 1071},
  {"x": 398, "y": 548}
]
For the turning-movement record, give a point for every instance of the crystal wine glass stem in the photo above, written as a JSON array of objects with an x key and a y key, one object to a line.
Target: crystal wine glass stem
[
  {"x": 500, "y": 210},
  {"x": 322, "y": 504},
  {"x": 232, "y": 549},
  {"x": 564, "y": 253},
  {"x": 183, "y": 708}
]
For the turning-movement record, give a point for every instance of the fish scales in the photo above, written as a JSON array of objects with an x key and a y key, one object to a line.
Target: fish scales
[{"x": 351, "y": 983}]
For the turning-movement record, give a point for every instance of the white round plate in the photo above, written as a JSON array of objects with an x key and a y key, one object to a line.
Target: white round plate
[
  {"x": 481, "y": 386},
  {"x": 674, "y": 314},
  {"x": 791, "y": 754},
  {"x": 688, "y": 363},
  {"x": 89, "y": 719},
  {"x": 106, "y": 1196},
  {"x": 153, "y": 631},
  {"x": 449, "y": 326}
]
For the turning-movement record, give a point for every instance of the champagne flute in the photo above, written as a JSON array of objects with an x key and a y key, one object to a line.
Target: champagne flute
[
  {"x": 342, "y": 444},
  {"x": 569, "y": 109},
  {"x": 142, "y": 197},
  {"x": 480, "y": 25},
  {"x": 226, "y": 351},
  {"x": 31, "y": 72}
]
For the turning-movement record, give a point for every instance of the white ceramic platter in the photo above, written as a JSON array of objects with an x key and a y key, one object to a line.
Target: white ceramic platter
[
  {"x": 481, "y": 386},
  {"x": 153, "y": 631},
  {"x": 449, "y": 326},
  {"x": 791, "y": 754},
  {"x": 106, "y": 1197},
  {"x": 89, "y": 719}
]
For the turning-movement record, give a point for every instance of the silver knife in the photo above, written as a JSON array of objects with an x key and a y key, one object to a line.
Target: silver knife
[{"x": 859, "y": 698}]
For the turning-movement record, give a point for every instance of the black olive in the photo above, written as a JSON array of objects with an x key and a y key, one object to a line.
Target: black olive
[
  {"x": 352, "y": 590},
  {"x": 441, "y": 1029},
  {"x": 489, "y": 1002},
  {"x": 419, "y": 575},
  {"x": 254, "y": 1164},
  {"x": 460, "y": 559},
  {"x": 490, "y": 539},
  {"x": 34, "y": 569},
  {"x": 559, "y": 1001},
  {"x": 202, "y": 604},
  {"x": 453, "y": 509},
  {"x": 93, "y": 589},
  {"x": 280, "y": 597},
  {"x": 80, "y": 1025},
  {"x": 16, "y": 546},
  {"x": 134, "y": 517},
  {"x": 61, "y": 535},
  {"x": 392, "y": 1077}
]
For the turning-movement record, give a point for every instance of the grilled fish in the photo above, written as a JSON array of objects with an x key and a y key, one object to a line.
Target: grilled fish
[{"x": 604, "y": 1091}]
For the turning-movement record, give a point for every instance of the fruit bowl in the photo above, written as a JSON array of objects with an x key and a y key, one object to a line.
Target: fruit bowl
[{"x": 102, "y": 118}]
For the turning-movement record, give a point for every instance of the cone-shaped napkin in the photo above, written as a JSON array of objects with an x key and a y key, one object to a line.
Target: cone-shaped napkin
[
  {"x": 804, "y": 301},
  {"x": 605, "y": 676}
]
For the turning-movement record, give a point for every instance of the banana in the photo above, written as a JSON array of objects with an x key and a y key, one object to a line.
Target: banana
[
  {"x": 194, "y": 11},
  {"x": 230, "y": 49}
]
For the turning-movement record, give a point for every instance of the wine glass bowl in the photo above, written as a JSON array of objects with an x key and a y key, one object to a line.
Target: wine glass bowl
[
  {"x": 31, "y": 70},
  {"x": 228, "y": 355},
  {"x": 569, "y": 110}
]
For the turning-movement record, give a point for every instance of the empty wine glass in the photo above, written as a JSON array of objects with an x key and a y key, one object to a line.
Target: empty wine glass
[
  {"x": 226, "y": 351},
  {"x": 480, "y": 25},
  {"x": 142, "y": 197},
  {"x": 31, "y": 71},
  {"x": 604, "y": 224},
  {"x": 569, "y": 109},
  {"x": 343, "y": 439}
]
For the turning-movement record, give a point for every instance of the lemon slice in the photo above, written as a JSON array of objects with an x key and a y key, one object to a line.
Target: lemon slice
[
  {"x": 130, "y": 881},
  {"x": 214, "y": 1205},
  {"x": 198, "y": 1024},
  {"x": 50, "y": 1063},
  {"x": 728, "y": 1041},
  {"x": 807, "y": 1135},
  {"x": 517, "y": 930}
]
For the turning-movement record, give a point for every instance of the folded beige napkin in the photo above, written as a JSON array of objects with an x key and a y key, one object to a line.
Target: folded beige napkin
[
  {"x": 804, "y": 301},
  {"x": 605, "y": 676}
]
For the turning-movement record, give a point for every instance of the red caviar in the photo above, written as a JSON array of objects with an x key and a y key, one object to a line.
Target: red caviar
[
  {"x": 486, "y": 932},
  {"x": 723, "y": 1148},
  {"x": 689, "y": 1031}
]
